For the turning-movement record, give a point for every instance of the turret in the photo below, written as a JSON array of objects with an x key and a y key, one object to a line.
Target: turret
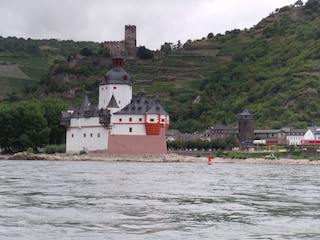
[{"x": 117, "y": 83}]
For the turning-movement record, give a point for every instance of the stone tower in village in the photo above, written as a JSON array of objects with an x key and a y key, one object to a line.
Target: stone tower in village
[
  {"x": 130, "y": 40},
  {"x": 246, "y": 127}
]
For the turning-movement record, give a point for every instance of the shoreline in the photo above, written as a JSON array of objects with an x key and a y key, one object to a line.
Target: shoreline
[{"x": 169, "y": 157}]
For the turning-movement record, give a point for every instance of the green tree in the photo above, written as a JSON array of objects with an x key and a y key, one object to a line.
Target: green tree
[
  {"x": 210, "y": 35},
  {"x": 144, "y": 53},
  {"x": 86, "y": 52},
  {"x": 23, "y": 125},
  {"x": 103, "y": 51},
  {"x": 52, "y": 111}
]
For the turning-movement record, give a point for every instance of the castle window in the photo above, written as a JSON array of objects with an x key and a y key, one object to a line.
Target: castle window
[
  {"x": 90, "y": 134},
  {"x": 98, "y": 135},
  {"x": 120, "y": 119},
  {"x": 130, "y": 129},
  {"x": 72, "y": 135},
  {"x": 162, "y": 120},
  {"x": 151, "y": 120},
  {"x": 140, "y": 119},
  {"x": 130, "y": 119},
  {"x": 114, "y": 87},
  {"x": 84, "y": 135}
]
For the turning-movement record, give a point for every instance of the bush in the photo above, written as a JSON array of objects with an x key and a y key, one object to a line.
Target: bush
[
  {"x": 29, "y": 150},
  {"x": 83, "y": 152},
  {"x": 219, "y": 153},
  {"x": 237, "y": 155},
  {"x": 51, "y": 149}
]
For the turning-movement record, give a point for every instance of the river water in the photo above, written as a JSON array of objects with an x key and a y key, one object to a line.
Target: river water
[{"x": 118, "y": 200}]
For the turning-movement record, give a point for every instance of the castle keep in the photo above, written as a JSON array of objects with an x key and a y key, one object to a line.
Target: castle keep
[{"x": 127, "y": 47}]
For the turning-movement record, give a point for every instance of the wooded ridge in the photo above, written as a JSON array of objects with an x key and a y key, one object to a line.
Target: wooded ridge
[{"x": 273, "y": 69}]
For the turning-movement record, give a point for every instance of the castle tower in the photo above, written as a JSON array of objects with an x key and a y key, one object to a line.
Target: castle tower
[
  {"x": 115, "y": 91},
  {"x": 246, "y": 127},
  {"x": 130, "y": 40}
]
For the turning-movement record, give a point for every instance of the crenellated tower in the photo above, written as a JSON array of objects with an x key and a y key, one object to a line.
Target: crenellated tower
[{"x": 130, "y": 40}]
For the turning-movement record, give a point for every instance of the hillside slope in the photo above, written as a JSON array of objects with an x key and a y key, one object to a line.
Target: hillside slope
[
  {"x": 271, "y": 69},
  {"x": 23, "y": 62}
]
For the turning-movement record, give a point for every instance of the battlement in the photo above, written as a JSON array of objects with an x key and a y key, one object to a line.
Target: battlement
[
  {"x": 127, "y": 46},
  {"x": 130, "y": 27},
  {"x": 113, "y": 42}
]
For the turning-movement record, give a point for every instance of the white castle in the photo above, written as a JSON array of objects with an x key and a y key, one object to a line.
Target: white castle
[{"x": 121, "y": 123}]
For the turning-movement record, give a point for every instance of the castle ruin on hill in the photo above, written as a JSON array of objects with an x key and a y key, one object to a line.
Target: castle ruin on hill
[{"x": 127, "y": 47}]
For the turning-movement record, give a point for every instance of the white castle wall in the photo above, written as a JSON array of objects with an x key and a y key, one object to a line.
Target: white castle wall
[
  {"x": 123, "y": 124},
  {"x": 122, "y": 94},
  {"x": 86, "y": 134}
]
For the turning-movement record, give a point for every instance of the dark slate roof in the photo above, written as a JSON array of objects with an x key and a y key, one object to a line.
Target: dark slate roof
[
  {"x": 117, "y": 75},
  {"x": 86, "y": 110},
  {"x": 65, "y": 115},
  {"x": 113, "y": 103},
  {"x": 246, "y": 114},
  {"x": 265, "y": 131},
  {"x": 140, "y": 104},
  {"x": 156, "y": 109}
]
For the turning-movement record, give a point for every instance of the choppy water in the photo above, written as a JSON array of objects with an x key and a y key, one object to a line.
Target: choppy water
[{"x": 103, "y": 200}]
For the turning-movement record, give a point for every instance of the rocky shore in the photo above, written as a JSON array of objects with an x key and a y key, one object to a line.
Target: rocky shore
[{"x": 170, "y": 157}]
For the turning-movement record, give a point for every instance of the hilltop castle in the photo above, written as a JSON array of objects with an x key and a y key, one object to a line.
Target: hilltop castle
[{"x": 127, "y": 47}]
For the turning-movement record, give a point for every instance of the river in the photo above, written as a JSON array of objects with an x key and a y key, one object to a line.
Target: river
[{"x": 126, "y": 200}]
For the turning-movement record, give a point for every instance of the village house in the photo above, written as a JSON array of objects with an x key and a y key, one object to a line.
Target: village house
[
  {"x": 296, "y": 136},
  {"x": 247, "y": 135},
  {"x": 219, "y": 131}
]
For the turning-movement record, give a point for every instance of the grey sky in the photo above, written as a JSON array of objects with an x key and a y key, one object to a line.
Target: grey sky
[{"x": 157, "y": 21}]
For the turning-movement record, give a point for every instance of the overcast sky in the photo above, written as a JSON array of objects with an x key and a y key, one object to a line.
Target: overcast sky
[{"x": 157, "y": 21}]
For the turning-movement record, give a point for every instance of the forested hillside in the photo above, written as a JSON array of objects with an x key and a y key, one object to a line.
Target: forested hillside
[{"x": 272, "y": 69}]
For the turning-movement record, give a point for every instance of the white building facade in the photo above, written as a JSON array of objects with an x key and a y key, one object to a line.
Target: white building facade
[{"x": 122, "y": 123}]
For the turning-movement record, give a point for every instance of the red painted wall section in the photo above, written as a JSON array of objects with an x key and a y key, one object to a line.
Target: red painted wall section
[{"x": 126, "y": 144}]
